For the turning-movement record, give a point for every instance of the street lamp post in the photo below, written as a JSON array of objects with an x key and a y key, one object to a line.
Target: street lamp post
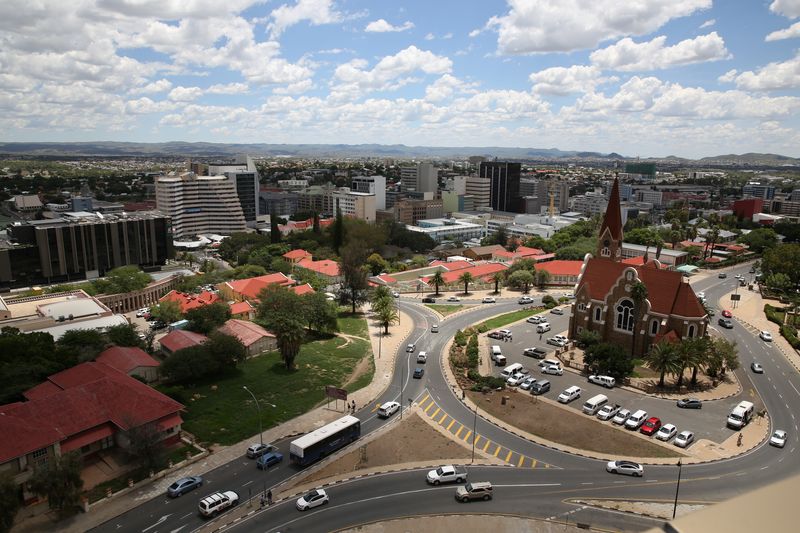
[
  {"x": 258, "y": 407},
  {"x": 400, "y": 394},
  {"x": 677, "y": 488},
  {"x": 474, "y": 435}
]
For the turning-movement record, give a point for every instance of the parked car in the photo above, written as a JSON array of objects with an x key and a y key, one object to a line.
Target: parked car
[
  {"x": 570, "y": 394},
  {"x": 504, "y": 333},
  {"x": 269, "y": 459},
  {"x": 650, "y": 426},
  {"x": 561, "y": 337},
  {"x": 143, "y": 311},
  {"x": 535, "y": 319},
  {"x": 313, "y": 499},
  {"x": 766, "y": 336},
  {"x": 701, "y": 295},
  {"x": 621, "y": 417},
  {"x": 555, "y": 341},
  {"x": 540, "y": 386},
  {"x": 419, "y": 372},
  {"x": 395, "y": 294},
  {"x": 525, "y": 300},
  {"x": 527, "y": 383},
  {"x": 608, "y": 411},
  {"x": 690, "y": 403},
  {"x": 516, "y": 379},
  {"x": 557, "y": 311},
  {"x": 666, "y": 432},
  {"x": 495, "y": 335},
  {"x": 629, "y": 468},
  {"x": 778, "y": 438},
  {"x": 489, "y": 300},
  {"x": 422, "y": 357},
  {"x": 543, "y": 327},
  {"x": 606, "y": 381},
  {"x": 255, "y": 451},
  {"x": 184, "y": 485},
  {"x": 429, "y": 300},
  {"x": 726, "y": 323},
  {"x": 636, "y": 419},
  {"x": 727, "y": 314},
  {"x": 388, "y": 409},
  {"x": 549, "y": 362},
  {"x": 453, "y": 299},
  {"x": 213, "y": 504},
  {"x": 756, "y": 367},
  {"x": 481, "y": 490},
  {"x": 538, "y": 353},
  {"x": 553, "y": 370},
  {"x": 684, "y": 439}
]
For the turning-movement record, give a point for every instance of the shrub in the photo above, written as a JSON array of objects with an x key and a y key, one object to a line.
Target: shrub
[
  {"x": 482, "y": 382},
  {"x": 460, "y": 338},
  {"x": 547, "y": 299},
  {"x": 773, "y": 314},
  {"x": 790, "y": 334}
]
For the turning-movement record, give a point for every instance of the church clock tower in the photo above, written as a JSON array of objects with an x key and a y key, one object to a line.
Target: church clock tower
[{"x": 609, "y": 245}]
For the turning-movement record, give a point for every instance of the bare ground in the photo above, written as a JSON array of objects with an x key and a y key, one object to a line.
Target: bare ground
[
  {"x": 564, "y": 426},
  {"x": 412, "y": 440}
]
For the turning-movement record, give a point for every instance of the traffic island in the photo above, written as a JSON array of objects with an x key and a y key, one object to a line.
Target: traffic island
[{"x": 655, "y": 509}]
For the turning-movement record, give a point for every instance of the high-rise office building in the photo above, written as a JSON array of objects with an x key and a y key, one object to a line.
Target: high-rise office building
[
  {"x": 372, "y": 185},
  {"x": 480, "y": 189},
  {"x": 359, "y": 205},
  {"x": 79, "y": 246},
  {"x": 245, "y": 176},
  {"x": 423, "y": 177},
  {"x": 504, "y": 178},
  {"x": 200, "y": 204}
]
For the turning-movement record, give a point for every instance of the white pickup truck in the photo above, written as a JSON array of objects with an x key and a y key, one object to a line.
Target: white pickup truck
[
  {"x": 607, "y": 412},
  {"x": 447, "y": 474}
]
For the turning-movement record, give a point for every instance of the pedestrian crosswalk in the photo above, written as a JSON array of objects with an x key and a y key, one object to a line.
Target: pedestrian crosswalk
[{"x": 464, "y": 433}]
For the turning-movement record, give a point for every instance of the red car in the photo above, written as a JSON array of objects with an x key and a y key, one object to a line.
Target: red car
[
  {"x": 651, "y": 426},
  {"x": 727, "y": 314}
]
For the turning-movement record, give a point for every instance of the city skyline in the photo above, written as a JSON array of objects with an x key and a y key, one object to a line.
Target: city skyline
[{"x": 691, "y": 78}]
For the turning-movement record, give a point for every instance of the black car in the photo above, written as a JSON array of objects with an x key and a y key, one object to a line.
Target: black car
[
  {"x": 419, "y": 372},
  {"x": 429, "y": 300},
  {"x": 726, "y": 323},
  {"x": 722, "y": 275},
  {"x": 690, "y": 403}
]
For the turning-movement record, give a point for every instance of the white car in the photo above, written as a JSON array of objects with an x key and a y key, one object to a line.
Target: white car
[
  {"x": 422, "y": 357},
  {"x": 778, "y": 438},
  {"x": 516, "y": 379},
  {"x": 561, "y": 337},
  {"x": 701, "y": 295},
  {"x": 396, "y": 294},
  {"x": 141, "y": 312},
  {"x": 410, "y": 348},
  {"x": 556, "y": 342},
  {"x": 553, "y": 370},
  {"x": 527, "y": 383},
  {"x": 454, "y": 299},
  {"x": 684, "y": 439},
  {"x": 549, "y": 362},
  {"x": 625, "y": 467},
  {"x": 766, "y": 336},
  {"x": 489, "y": 300},
  {"x": 621, "y": 417},
  {"x": 504, "y": 333},
  {"x": 525, "y": 300},
  {"x": 313, "y": 499},
  {"x": 536, "y": 319},
  {"x": 569, "y": 394},
  {"x": 388, "y": 409},
  {"x": 666, "y": 432}
]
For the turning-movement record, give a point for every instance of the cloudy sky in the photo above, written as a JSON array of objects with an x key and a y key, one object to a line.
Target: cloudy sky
[{"x": 639, "y": 77}]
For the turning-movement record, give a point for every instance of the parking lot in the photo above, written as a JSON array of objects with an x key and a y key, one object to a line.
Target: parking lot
[{"x": 706, "y": 423}]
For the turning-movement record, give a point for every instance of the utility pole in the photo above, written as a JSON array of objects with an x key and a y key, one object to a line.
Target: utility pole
[
  {"x": 677, "y": 488},
  {"x": 258, "y": 407},
  {"x": 474, "y": 435}
]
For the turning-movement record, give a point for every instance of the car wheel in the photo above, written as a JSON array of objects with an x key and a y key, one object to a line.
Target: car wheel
[
  {"x": 464, "y": 500},
  {"x": 459, "y": 480},
  {"x": 325, "y": 502},
  {"x": 436, "y": 482},
  {"x": 486, "y": 498}
]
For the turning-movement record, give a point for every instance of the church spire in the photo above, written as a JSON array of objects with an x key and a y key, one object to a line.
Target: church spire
[{"x": 610, "y": 243}]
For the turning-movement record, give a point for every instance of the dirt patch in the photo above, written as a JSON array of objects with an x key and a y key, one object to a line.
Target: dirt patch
[
  {"x": 655, "y": 509},
  {"x": 412, "y": 440},
  {"x": 360, "y": 369},
  {"x": 563, "y": 426}
]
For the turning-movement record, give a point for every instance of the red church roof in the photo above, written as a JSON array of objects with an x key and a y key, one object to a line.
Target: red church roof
[{"x": 613, "y": 218}]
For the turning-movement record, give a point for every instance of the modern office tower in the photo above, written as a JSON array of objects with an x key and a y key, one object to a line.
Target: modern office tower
[
  {"x": 558, "y": 191},
  {"x": 317, "y": 198},
  {"x": 281, "y": 203},
  {"x": 423, "y": 177},
  {"x": 528, "y": 186},
  {"x": 79, "y": 246},
  {"x": 360, "y": 205},
  {"x": 245, "y": 175},
  {"x": 480, "y": 189},
  {"x": 457, "y": 184},
  {"x": 80, "y": 203},
  {"x": 372, "y": 185},
  {"x": 759, "y": 190},
  {"x": 200, "y": 204},
  {"x": 504, "y": 178},
  {"x": 412, "y": 211}
]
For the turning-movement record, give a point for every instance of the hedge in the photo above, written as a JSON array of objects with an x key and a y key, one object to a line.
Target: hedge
[{"x": 790, "y": 334}]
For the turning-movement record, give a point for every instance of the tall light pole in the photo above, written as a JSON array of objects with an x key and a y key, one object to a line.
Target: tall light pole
[
  {"x": 258, "y": 407},
  {"x": 474, "y": 435},
  {"x": 400, "y": 394},
  {"x": 677, "y": 488}
]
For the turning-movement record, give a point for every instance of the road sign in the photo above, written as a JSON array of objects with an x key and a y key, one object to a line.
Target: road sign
[
  {"x": 736, "y": 297},
  {"x": 334, "y": 392}
]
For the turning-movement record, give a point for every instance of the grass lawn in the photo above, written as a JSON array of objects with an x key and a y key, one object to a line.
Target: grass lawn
[
  {"x": 508, "y": 318},
  {"x": 445, "y": 310},
  {"x": 352, "y": 324},
  {"x": 220, "y": 411}
]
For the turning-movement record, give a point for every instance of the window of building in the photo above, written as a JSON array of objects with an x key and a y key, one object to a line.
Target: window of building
[
  {"x": 107, "y": 442},
  {"x": 40, "y": 456},
  {"x": 581, "y": 306},
  {"x": 624, "y": 318},
  {"x": 653, "y": 327},
  {"x": 605, "y": 252},
  {"x": 580, "y": 330},
  {"x": 691, "y": 331},
  {"x": 597, "y": 311}
]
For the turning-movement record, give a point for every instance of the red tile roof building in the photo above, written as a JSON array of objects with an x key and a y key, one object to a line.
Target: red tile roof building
[
  {"x": 244, "y": 310},
  {"x": 256, "y": 339},
  {"x": 325, "y": 268},
  {"x": 296, "y": 256},
  {"x": 240, "y": 290},
  {"x": 179, "y": 339},
  {"x": 188, "y": 301},
  {"x": 522, "y": 252},
  {"x": 604, "y": 299},
  {"x": 87, "y": 408},
  {"x": 562, "y": 272},
  {"x": 130, "y": 360}
]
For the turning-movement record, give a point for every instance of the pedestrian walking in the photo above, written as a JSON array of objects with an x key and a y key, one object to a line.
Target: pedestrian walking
[
  {"x": 739, "y": 440},
  {"x": 540, "y": 336},
  {"x": 354, "y": 406},
  {"x": 269, "y": 496},
  {"x": 263, "y": 501}
]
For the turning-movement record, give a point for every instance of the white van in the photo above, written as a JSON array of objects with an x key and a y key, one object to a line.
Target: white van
[
  {"x": 500, "y": 360},
  {"x": 740, "y": 415},
  {"x": 594, "y": 404},
  {"x": 636, "y": 419},
  {"x": 495, "y": 349},
  {"x": 543, "y": 328},
  {"x": 510, "y": 370}
]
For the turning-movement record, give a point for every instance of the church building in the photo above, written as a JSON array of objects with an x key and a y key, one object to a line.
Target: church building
[{"x": 606, "y": 295}]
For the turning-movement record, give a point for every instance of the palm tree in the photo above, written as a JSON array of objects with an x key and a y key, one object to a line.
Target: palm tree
[
  {"x": 701, "y": 353},
  {"x": 290, "y": 333},
  {"x": 387, "y": 315},
  {"x": 638, "y": 295},
  {"x": 497, "y": 279},
  {"x": 663, "y": 357},
  {"x": 688, "y": 357},
  {"x": 466, "y": 278},
  {"x": 543, "y": 277},
  {"x": 712, "y": 237},
  {"x": 437, "y": 279},
  {"x": 380, "y": 292}
]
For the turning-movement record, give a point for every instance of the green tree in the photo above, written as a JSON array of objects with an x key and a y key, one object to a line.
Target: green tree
[
  {"x": 337, "y": 230},
  {"x": 274, "y": 229},
  {"x": 167, "y": 312},
  {"x": 226, "y": 350},
  {"x": 466, "y": 278},
  {"x": 722, "y": 354},
  {"x": 760, "y": 239},
  {"x": 639, "y": 296},
  {"x": 437, "y": 279},
  {"x": 644, "y": 237},
  {"x": 290, "y": 336},
  {"x": 146, "y": 445},
  {"x": 543, "y": 277},
  {"x": 498, "y": 278},
  {"x": 608, "y": 359},
  {"x": 207, "y": 318},
  {"x": 10, "y": 502},
  {"x": 85, "y": 344},
  {"x": 521, "y": 279},
  {"x": 782, "y": 259},
  {"x": 588, "y": 338},
  {"x": 418, "y": 261},
  {"x": 387, "y": 315},
  {"x": 354, "y": 275},
  {"x": 501, "y": 236},
  {"x": 123, "y": 279},
  {"x": 779, "y": 282},
  {"x": 700, "y": 348},
  {"x": 321, "y": 314},
  {"x": 689, "y": 356},
  {"x": 279, "y": 264},
  {"x": 124, "y": 335},
  {"x": 789, "y": 230},
  {"x": 663, "y": 358},
  {"x": 59, "y": 480},
  {"x": 377, "y": 264},
  {"x": 188, "y": 365}
]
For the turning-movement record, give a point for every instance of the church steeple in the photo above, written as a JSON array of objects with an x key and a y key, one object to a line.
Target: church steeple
[{"x": 609, "y": 245}]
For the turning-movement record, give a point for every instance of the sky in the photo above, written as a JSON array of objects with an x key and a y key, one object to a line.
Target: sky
[{"x": 647, "y": 78}]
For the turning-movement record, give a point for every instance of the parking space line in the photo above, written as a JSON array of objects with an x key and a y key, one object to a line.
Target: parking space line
[
  {"x": 477, "y": 438},
  {"x": 453, "y": 421},
  {"x": 458, "y": 433},
  {"x": 488, "y": 442},
  {"x": 497, "y": 451},
  {"x": 534, "y": 462},
  {"x": 425, "y": 399},
  {"x": 441, "y": 420},
  {"x": 508, "y": 457},
  {"x": 521, "y": 461},
  {"x": 466, "y": 437},
  {"x": 429, "y": 407},
  {"x": 436, "y": 412}
]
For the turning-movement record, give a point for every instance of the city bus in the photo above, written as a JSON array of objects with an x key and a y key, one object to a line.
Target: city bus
[{"x": 325, "y": 440}]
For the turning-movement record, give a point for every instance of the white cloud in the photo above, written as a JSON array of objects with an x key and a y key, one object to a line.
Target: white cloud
[
  {"x": 381, "y": 26},
  {"x": 772, "y": 77},
  {"x": 154, "y": 87},
  {"x": 185, "y": 94},
  {"x": 228, "y": 88},
  {"x": 627, "y": 55},
  {"x": 475, "y": 33},
  {"x": 316, "y": 12},
  {"x": 430, "y": 37},
  {"x": 792, "y": 32},
  {"x": 787, "y": 8},
  {"x": 446, "y": 86},
  {"x": 295, "y": 88},
  {"x": 448, "y": 35},
  {"x": 566, "y": 80},
  {"x": 145, "y": 105},
  {"x": 708, "y": 24},
  {"x": 536, "y": 26},
  {"x": 728, "y": 76}
]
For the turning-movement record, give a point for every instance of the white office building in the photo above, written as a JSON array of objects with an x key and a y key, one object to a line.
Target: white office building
[
  {"x": 371, "y": 185},
  {"x": 449, "y": 229},
  {"x": 423, "y": 177},
  {"x": 200, "y": 204},
  {"x": 360, "y": 205},
  {"x": 480, "y": 189}
]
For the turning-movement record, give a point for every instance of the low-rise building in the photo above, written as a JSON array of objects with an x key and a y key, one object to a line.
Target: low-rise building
[
  {"x": 255, "y": 339},
  {"x": 130, "y": 360},
  {"x": 179, "y": 339}
]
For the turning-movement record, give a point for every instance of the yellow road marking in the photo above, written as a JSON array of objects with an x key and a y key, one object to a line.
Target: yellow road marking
[
  {"x": 451, "y": 424},
  {"x": 436, "y": 412},
  {"x": 444, "y": 415},
  {"x": 466, "y": 437},
  {"x": 488, "y": 442},
  {"x": 459, "y": 431},
  {"x": 425, "y": 399},
  {"x": 546, "y": 465},
  {"x": 477, "y": 438},
  {"x": 429, "y": 407},
  {"x": 377, "y": 406},
  {"x": 534, "y": 461},
  {"x": 508, "y": 457},
  {"x": 497, "y": 450},
  {"x": 521, "y": 460}
]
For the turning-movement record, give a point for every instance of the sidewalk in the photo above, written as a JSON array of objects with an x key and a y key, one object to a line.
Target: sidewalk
[{"x": 302, "y": 424}]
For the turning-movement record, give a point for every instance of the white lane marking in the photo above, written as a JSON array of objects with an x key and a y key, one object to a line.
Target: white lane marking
[
  {"x": 619, "y": 482},
  {"x": 587, "y": 483},
  {"x": 741, "y": 473},
  {"x": 183, "y": 526},
  {"x": 248, "y": 482},
  {"x": 764, "y": 467},
  {"x": 795, "y": 388},
  {"x": 160, "y": 520},
  {"x": 184, "y": 516},
  {"x": 651, "y": 481}
]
